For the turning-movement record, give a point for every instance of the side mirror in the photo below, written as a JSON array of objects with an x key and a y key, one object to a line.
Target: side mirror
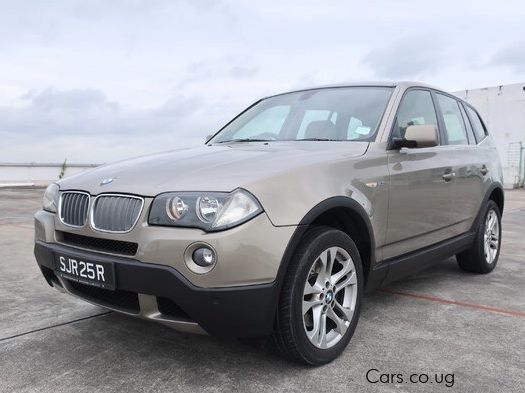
[
  {"x": 417, "y": 136},
  {"x": 208, "y": 137}
]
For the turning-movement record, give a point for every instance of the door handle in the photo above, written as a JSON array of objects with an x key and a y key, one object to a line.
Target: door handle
[
  {"x": 448, "y": 176},
  {"x": 484, "y": 170}
]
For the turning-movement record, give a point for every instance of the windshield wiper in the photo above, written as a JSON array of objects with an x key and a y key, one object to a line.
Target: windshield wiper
[
  {"x": 246, "y": 140},
  {"x": 317, "y": 139}
]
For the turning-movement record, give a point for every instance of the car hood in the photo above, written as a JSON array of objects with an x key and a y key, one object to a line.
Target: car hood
[{"x": 211, "y": 168}]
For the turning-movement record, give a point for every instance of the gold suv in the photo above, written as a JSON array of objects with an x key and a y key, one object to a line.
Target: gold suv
[{"x": 280, "y": 221}]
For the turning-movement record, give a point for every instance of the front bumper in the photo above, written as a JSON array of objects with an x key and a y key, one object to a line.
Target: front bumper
[
  {"x": 237, "y": 297},
  {"x": 247, "y": 255},
  {"x": 161, "y": 293}
]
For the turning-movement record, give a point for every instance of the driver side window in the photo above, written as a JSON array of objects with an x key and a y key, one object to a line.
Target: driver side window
[
  {"x": 416, "y": 108},
  {"x": 270, "y": 120}
]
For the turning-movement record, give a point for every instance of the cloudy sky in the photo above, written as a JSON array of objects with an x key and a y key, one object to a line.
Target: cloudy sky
[{"x": 96, "y": 81}]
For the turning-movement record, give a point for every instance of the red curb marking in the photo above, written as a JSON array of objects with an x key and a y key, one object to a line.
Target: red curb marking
[{"x": 462, "y": 304}]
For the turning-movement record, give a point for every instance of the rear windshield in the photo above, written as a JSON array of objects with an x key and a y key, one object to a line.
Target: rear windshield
[{"x": 338, "y": 114}]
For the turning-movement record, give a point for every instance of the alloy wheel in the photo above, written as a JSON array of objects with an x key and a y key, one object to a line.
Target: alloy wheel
[
  {"x": 491, "y": 237},
  {"x": 329, "y": 297}
]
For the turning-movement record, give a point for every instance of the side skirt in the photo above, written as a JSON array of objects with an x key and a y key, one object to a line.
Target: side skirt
[{"x": 395, "y": 268}]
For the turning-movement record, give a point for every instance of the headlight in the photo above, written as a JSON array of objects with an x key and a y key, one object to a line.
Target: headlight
[
  {"x": 50, "y": 201},
  {"x": 211, "y": 211}
]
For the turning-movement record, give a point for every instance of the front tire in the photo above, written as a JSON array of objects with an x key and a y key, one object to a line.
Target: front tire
[
  {"x": 321, "y": 298},
  {"x": 482, "y": 257}
]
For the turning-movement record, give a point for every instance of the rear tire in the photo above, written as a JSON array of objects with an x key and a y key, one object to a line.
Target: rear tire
[
  {"x": 324, "y": 282},
  {"x": 482, "y": 257}
]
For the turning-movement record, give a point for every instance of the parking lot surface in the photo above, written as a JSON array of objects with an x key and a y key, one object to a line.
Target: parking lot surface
[{"x": 442, "y": 321}]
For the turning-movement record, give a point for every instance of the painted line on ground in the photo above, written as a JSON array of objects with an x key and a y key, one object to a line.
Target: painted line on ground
[
  {"x": 54, "y": 326},
  {"x": 454, "y": 302}
]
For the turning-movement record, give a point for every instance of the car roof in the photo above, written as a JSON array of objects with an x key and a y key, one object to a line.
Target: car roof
[{"x": 401, "y": 84}]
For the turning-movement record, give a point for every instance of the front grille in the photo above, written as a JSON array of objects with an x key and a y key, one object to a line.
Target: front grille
[
  {"x": 171, "y": 310},
  {"x": 116, "y": 213},
  {"x": 97, "y": 244},
  {"x": 120, "y": 300},
  {"x": 74, "y": 208}
]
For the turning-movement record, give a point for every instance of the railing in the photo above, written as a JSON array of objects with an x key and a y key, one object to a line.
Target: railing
[
  {"x": 38, "y": 173},
  {"x": 516, "y": 163}
]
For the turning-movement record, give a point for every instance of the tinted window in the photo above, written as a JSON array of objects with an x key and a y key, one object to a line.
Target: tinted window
[
  {"x": 477, "y": 125},
  {"x": 342, "y": 114},
  {"x": 416, "y": 108},
  {"x": 455, "y": 131}
]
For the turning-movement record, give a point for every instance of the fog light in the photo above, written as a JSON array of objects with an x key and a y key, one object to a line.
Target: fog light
[
  {"x": 200, "y": 258},
  {"x": 204, "y": 257}
]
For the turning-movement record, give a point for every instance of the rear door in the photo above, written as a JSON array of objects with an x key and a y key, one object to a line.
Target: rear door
[
  {"x": 421, "y": 189},
  {"x": 486, "y": 158},
  {"x": 464, "y": 157}
]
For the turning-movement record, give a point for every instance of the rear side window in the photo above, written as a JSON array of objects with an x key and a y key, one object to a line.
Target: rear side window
[
  {"x": 416, "y": 108},
  {"x": 470, "y": 131},
  {"x": 455, "y": 131},
  {"x": 477, "y": 125}
]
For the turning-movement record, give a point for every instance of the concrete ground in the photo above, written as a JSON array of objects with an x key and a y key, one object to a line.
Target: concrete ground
[{"x": 440, "y": 321}]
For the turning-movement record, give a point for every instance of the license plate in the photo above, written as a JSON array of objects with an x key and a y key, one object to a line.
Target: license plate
[{"x": 95, "y": 273}]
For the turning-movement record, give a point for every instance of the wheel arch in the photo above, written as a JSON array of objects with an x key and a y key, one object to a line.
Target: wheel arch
[
  {"x": 341, "y": 213},
  {"x": 495, "y": 193}
]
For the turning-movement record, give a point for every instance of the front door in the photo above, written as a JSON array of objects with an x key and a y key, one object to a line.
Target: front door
[{"x": 421, "y": 183}]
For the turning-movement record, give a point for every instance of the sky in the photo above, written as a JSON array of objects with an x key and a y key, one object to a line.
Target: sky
[{"x": 98, "y": 81}]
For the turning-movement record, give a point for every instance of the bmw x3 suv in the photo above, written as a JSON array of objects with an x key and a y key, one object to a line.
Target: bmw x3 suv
[{"x": 279, "y": 222}]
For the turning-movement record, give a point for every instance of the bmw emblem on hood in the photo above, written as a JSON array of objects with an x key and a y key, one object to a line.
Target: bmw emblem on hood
[{"x": 103, "y": 182}]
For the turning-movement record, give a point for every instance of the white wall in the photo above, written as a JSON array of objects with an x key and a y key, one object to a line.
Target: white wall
[{"x": 503, "y": 110}]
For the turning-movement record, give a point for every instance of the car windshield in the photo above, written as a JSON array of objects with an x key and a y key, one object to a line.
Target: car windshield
[{"x": 326, "y": 114}]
